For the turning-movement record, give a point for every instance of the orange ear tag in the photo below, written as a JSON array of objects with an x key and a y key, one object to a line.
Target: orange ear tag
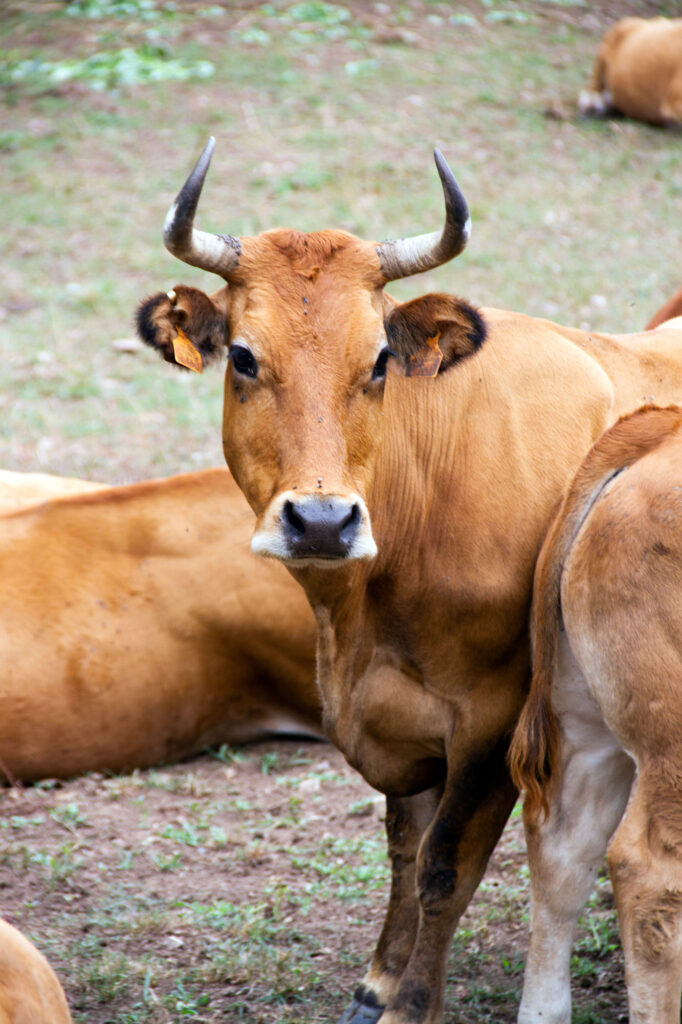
[
  {"x": 425, "y": 362},
  {"x": 185, "y": 353}
]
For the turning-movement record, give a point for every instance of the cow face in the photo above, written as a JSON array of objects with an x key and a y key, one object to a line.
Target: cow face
[
  {"x": 303, "y": 389},
  {"x": 310, "y": 338}
]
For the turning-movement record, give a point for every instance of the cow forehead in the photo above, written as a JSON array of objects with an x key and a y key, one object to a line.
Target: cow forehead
[{"x": 317, "y": 294}]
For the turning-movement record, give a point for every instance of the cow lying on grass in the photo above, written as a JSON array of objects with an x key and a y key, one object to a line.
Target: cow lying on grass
[
  {"x": 670, "y": 310},
  {"x": 606, "y": 699},
  {"x": 29, "y": 990},
  {"x": 638, "y": 72},
  {"x": 404, "y": 461},
  {"x": 138, "y": 628}
]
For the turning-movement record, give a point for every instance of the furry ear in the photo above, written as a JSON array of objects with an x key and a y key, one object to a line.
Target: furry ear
[
  {"x": 431, "y": 324},
  {"x": 202, "y": 318}
]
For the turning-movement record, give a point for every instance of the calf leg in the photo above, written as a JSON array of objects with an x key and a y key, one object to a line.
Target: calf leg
[
  {"x": 565, "y": 852},
  {"x": 475, "y": 805},
  {"x": 406, "y": 820},
  {"x": 645, "y": 860}
]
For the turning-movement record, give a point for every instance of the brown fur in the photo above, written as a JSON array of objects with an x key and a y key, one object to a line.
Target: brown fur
[
  {"x": 610, "y": 572},
  {"x": 534, "y": 752},
  {"x": 458, "y": 326},
  {"x": 638, "y": 71},
  {"x": 138, "y": 628},
  {"x": 423, "y": 656},
  {"x": 18, "y": 490},
  {"x": 29, "y": 990},
  {"x": 158, "y": 319},
  {"x": 668, "y": 311}
]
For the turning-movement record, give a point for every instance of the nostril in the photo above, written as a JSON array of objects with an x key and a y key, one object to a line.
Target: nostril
[
  {"x": 293, "y": 520},
  {"x": 350, "y": 524}
]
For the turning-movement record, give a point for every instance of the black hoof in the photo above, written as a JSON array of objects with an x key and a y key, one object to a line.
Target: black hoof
[{"x": 363, "y": 1010}]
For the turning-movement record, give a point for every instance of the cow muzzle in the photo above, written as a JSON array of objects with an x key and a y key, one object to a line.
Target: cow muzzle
[{"x": 311, "y": 529}]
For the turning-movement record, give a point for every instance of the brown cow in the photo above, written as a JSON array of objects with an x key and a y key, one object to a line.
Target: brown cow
[
  {"x": 29, "y": 990},
  {"x": 670, "y": 310},
  {"x": 18, "y": 490},
  {"x": 412, "y": 511},
  {"x": 606, "y": 697},
  {"x": 638, "y": 72},
  {"x": 138, "y": 628}
]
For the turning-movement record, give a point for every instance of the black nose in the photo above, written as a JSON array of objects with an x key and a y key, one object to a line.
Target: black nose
[{"x": 320, "y": 527}]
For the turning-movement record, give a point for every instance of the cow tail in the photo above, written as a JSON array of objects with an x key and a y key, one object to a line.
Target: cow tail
[{"x": 535, "y": 751}]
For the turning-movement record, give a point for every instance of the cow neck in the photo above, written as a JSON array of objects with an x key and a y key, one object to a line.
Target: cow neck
[
  {"x": 459, "y": 509},
  {"x": 360, "y": 607},
  {"x": 424, "y": 429}
]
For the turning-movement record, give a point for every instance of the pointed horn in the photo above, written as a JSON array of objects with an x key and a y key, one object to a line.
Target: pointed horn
[
  {"x": 413, "y": 255},
  {"x": 218, "y": 254}
]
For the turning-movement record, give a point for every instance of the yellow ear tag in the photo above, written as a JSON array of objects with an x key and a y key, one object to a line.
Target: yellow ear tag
[
  {"x": 426, "y": 362},
  {"x": 185, "y": 353}
]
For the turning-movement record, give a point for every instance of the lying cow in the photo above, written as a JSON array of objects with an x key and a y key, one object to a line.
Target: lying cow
[
  {"x": 18, "y": 490},
  {"x": 606, "y": 698},
  {"x": 404, "y": 461},
  {"x": 638, "y": 72},
  {"x": 138, "y": 628},
  {"x": 670, "y": 310},
  {"x": 29, "y": 990}
]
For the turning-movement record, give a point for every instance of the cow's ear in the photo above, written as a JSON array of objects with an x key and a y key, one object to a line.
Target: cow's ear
[
  {"x": 433, "y": 333},
  {"x": 182, "y": 320}
]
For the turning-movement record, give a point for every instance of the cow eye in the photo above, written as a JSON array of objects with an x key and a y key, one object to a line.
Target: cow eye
[
  {"x": 244, "y": 361},
  {"x": 379, "y": 371}
]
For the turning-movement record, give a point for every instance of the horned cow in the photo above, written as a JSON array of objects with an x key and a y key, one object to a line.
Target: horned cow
[
  {"x": 138, "y": 628},
  {"x": 403, "y": 460},
  {"x": 638, "y": 72},
  {"x": 606, "y": 698}
]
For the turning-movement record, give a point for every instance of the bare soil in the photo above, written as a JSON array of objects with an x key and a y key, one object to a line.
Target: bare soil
[{"x": 250, "y": 886}]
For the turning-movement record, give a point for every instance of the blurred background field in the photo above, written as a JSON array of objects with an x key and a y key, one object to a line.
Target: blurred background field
[
  {"x": 250, "y": 886},
  {"x": 325, "y": 114}
]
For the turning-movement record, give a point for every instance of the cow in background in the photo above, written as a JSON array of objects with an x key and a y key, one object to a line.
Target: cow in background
[
  {"x": 404, "y": 461},
  {"x": 138, "y": 628},
  {"x": 29, "y": 990},
  {"x": 670, "y": 310},
  {"x": 606, "y": 700},
  {"x": 638, "y": 72}
]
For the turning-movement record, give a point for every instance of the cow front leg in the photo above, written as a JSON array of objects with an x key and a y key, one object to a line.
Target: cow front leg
[
  {"x": 476, "y": 802},
  {"x": 407, "y": 818},
  {"x": 565, "y": 852}
]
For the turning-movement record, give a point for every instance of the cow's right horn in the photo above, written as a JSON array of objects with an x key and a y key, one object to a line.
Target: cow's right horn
[
  {"x": 407, "y": 256},
  {"x": 218, "y": 254}
]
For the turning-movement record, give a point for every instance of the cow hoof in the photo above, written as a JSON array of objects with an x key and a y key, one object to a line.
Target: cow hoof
[{"x": 363, "y": 1010}]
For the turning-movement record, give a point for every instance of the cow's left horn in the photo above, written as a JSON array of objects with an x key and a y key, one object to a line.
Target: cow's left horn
[
  {"x": 407, "y": 256},
  {"x": 216, "y": 253}
]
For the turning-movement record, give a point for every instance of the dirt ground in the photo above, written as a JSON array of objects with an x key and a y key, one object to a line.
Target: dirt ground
[{"x": 250, "y": 885}]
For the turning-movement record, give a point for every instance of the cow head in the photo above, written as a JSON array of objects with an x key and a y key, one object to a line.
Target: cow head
[{"x": 310, "y": 337}]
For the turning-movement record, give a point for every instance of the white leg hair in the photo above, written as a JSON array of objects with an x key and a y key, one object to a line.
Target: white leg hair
[{"x": 566, "y": 850}]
